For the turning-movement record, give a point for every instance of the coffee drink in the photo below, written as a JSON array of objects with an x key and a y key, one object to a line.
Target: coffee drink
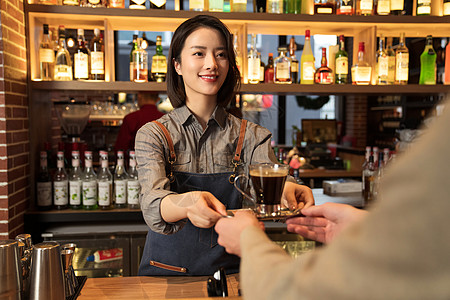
[{"x": 268, "y": 187}]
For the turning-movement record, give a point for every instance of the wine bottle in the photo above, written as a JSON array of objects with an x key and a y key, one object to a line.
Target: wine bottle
[
  {"x": 391, "y": 61},
  {"x": 97, "y": 57},
  {"x": 401, "y": 62},
  {"x": 159, "y": 62},
  {"x": 361, "y": 71},
  {"x": 428, "y": 63},
  {"x": 133, "y": 186},
  {"x": 46, "y": 56},
  {"x": 254, "y": 62},
  {"x": 269, "y": 70},
  {"x": 294, "y": 60},
  {"x": 341, "y": 64},
  {"x": 307, "y": 67},
  {"x": 120, "y": 182},
  {"x": 382, "y": 63},
  {"x": 81, "y": 58},
  {"x": 139, "y": 63},
  {"x": 44, "y": 184},
  {"x": 63, "y": 63}
]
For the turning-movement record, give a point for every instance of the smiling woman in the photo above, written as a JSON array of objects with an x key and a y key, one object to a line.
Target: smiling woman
[{"x": 188, "y": 159}]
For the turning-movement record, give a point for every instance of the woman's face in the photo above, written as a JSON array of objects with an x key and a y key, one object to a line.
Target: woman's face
[{"x": 204, "y": 63}]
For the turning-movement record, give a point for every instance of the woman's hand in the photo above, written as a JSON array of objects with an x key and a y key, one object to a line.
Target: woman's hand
[
  {"x": 296, "y": 196},
  {"x": 230, "y": 229},
  {"x": 324, "y": 222},
  {"x": 201, "y": 208}
]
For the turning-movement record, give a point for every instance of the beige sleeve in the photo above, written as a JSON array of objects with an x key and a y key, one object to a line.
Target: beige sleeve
[{"x": 400, "y": 251}]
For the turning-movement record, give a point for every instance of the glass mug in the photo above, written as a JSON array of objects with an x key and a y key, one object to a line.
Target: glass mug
[{"x": 268, "y": 181}]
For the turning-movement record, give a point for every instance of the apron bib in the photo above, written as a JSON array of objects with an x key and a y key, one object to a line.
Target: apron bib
[{"x": 193, "y": 250}]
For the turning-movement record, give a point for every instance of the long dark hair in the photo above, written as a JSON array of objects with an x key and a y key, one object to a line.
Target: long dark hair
[{"x": 175, "y": 84}]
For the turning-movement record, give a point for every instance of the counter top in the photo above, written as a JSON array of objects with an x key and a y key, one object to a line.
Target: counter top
[{"x": 141, "y": 287}]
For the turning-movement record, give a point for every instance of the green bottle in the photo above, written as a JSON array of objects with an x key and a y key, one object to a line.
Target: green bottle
[
  {"x": 428, "y": 63},
  {"x": 341, "y": 63}
]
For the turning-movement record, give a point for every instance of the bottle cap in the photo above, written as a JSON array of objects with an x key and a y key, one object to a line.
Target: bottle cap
[
  {"x": 96, "y": 31},
  {"x": 341, "y": 38},
  {"x": 270, "y": 54},
  {"x": 307, "y": 33},
  {"x": 361, "y": 46},
  {"x": 324, "y": 51},
  {"x": 80, "y": 31}
]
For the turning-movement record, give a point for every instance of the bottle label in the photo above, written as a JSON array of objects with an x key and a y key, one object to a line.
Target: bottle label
[
  {"x": 261, "y": 74},
  {"x": 81, "y": 65},
  {"x": 294, "y": 66},
  {"x": 391, "y": 69},
  {"x": 159, "y": 64},
  {"x": 71, "y": 2},
  {"x": 346, "y": 9},
  {"x": 324, "y": 10},
  {"x": 342, "y": 65},
  {"x": 89, "y": 192},
  {"x": 325, "y": 78},
  {"x": 383, "y": 7},
  {"x": 120, "y": 191},
  {"x": 133, "y": 189},
  {"x": 63, "y": 71},
  {"x": 240, "y": 2},
  {"x": 95, "y": 2},
  {"x": 196, "y": 4},
  {"x": 44, "y": 193},
  {"x": 362, "y": 74},
  {"x": 60, "y": 193},
  {"x": 397, "y": 5},
  {"x": 117, "y": 3},
  {"x": 402, "y": 67},
  {"x": 97, "y": 63},
  {"x": 366, "y": 5},
  {"x": 282, "y": 71},
  {"x": 46, "y": 55},
  {"x": 446, "y": 8},
  {"x": 383, "y": 66},
  {"x": 104, "y": 193},
  {"x": 158, "y": 3},
  {"x": 423, "y": 7},
  {"x": 253, "y": 69},
  {"x": 308, "y": 70},
  {"x": 75, "y": 192}
]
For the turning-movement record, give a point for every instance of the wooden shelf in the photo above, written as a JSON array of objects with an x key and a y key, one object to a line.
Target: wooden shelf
[
  {"x": 264, "y": 88},
  {"x": 264, "y": 23}
]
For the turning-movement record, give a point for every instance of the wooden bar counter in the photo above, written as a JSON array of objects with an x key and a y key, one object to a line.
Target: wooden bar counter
[{"x": 141, "y": 287}]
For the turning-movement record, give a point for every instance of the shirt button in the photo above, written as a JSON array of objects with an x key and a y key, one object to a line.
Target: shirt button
[{"x": 200, "y": 170}]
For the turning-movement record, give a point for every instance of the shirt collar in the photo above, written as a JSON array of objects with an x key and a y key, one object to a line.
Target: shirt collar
[{"x": 184, "y": 115}]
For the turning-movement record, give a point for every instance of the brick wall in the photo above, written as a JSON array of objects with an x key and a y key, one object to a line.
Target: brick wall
[
  {"x": 14, "y": 122},
  {"x": 356, "y": 119}
]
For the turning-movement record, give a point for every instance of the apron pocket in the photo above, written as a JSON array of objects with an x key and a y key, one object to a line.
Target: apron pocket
[
  {"x": 167, "y": 267},
  {"x": 207, "y": 236}
]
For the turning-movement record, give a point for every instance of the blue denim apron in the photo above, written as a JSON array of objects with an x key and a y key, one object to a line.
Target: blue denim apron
[{"x": 193, "y": 250}]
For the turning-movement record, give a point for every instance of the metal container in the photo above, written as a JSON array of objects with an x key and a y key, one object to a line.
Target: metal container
[
  {"x": 10, "y": 271},
  {"x": 47, "y": 275}
]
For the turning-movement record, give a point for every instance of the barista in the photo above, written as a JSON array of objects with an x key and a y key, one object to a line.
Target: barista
[{"x": 186, "y": 163}]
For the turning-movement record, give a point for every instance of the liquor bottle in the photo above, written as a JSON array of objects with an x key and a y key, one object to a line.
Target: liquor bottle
[
  {"x": 60, "y": 184},
  {"x": 215, "y": 5},
  {"x": 423, "y": 8},
  {"x": 365, "y": 7},
  {"x": 93, "y": 3},
  {"x": 364, "y": 166},
  {"x": 120, "y": 182},
  {"x": 325, "y": 7},
  {"x": 275, "y": 6},
  {"x": 401, "y": 62},
  {"x": 159, "y": 62},
  {"x": 294, "y": 60},
  {"x": 369, "y": 178},
  {"x": 324, "y": 75},
  {"x": 198, "y": 5},
  {"x": 341, "y": 64},
  {"x": 97, "y": 57},
  {"x": 292, "y": 6},
  {"x": 238, "y": 54},
  {"x": 447, "y": 63},
  {"x": 383, "y": 7},
  {"x": 446, "y": 7},
  {"x": 254, "y": 62},
  {"x": 391, "y": 61},
  {"x": 282, "y": 67},
  {"x": 81, "y": 58},
  {"x": 397, "y": 7},
  {"x": 158, "y": 4},
  {"x": 71, "y": 2},
  {"x": 261, "y": 69},
  {"x": 46, "y": 56},
  {"x": 307, "y": 68},
  {"x": 238, "y": 5},
  {"x": 137, "y": 4},
  {"x": 133, "y": 186},
  {"x": 63, "y": 63},
  {"x": 269, "y": 70},
  {"x": 226, "y": 6},
  {"x": 133, "y": 48},
  {"x": 428, "y": 63},
  {"x": 382, "y": 63},
  {"x": 105, "y": 181},
  {"x": 116, "y": 3},
  {"x": 44, "y": 185},
  {"x": 75, "y": 182},
  {"x": 89, "y": 183},
  {"x": 345, "y": 7},
  {"x": 361, "y": 71},
  {"x": 139, "y": 63},
  {"x": 440, "y": 59}
]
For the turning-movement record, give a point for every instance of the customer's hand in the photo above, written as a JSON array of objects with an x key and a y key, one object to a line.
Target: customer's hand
[
  {"x": 296, "y": 196},
  {"x": 324, "y": 222},
  {"x": 230, "y": 229}
]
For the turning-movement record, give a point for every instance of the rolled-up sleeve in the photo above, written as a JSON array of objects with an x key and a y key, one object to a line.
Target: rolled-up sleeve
[{"x": 151, "y": 165}]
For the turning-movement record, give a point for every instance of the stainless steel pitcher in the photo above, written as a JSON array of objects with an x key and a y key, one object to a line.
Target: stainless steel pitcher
[{"x": 10, "y": 271}]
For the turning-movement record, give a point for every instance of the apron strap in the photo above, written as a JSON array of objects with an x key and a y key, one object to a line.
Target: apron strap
[
  {"x": 172, "y": 155},
  {"x": 237, "y": 155}
]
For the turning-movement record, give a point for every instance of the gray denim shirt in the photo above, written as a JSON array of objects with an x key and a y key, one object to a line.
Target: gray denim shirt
[{"x": 197, "y": 151}]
